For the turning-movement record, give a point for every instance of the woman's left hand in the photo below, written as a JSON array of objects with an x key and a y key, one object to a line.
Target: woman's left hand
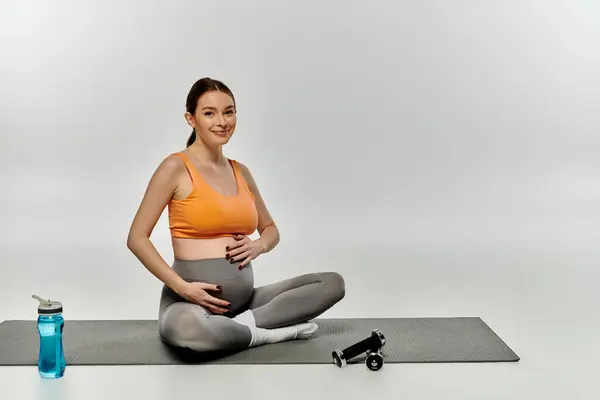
[{"x": 244, "y": 250}]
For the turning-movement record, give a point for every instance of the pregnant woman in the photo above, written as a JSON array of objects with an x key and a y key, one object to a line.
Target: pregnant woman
[{"x": 208, "y": 301}]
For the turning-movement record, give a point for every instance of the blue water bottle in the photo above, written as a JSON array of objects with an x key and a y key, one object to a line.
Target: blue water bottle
[{"x": 50, "y": 324}]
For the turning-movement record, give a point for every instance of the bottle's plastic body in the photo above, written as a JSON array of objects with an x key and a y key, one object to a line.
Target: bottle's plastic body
[{"x": 51, "y": 360}]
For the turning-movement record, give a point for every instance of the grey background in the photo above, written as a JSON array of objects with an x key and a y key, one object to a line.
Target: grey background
[{"x": 441, "y": 155}]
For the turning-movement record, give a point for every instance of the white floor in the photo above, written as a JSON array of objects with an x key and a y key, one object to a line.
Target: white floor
[{"x": 542, "y": 304}]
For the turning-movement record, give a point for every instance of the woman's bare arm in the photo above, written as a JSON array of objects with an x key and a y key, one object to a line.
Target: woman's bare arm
[
  {"x": 267, "y": 229},
  {"x": 160, "y": 189}
]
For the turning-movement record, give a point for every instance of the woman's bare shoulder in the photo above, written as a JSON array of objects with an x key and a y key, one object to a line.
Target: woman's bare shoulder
[
  {"x": 171, "y": 163},
  {"x": 245, "y": 172}
]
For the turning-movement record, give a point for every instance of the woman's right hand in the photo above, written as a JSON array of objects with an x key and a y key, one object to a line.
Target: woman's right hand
[{"x": 196, "y": 292}]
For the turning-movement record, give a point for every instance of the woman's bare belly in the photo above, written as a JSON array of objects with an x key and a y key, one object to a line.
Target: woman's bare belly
[{"x": 199, "y": 249}]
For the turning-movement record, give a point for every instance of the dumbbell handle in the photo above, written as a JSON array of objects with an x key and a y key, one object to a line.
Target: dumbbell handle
[{"x": 370, "y": 343}]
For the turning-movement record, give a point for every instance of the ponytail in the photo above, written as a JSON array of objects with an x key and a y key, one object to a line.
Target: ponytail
[{"x": 192, "y": 138}]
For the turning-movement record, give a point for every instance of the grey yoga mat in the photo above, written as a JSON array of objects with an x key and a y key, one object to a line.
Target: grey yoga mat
[{"x": 129, "y": 342}]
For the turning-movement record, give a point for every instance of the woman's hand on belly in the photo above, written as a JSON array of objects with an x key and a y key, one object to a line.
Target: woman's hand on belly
[
  {"x": 244, "y": 250},
  {"x": 196, "y": 292}
]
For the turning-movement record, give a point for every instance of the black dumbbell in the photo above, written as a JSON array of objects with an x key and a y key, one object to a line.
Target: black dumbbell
[{"x": 371, "y": 345}]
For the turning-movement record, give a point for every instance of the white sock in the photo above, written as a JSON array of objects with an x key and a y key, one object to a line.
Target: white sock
[
  {"x": 262, "y": 336},
  {"x": 245, "y": 318}
]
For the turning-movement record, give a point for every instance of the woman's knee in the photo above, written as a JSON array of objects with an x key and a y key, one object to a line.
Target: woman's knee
[
  {"x": 190, "y": 326},
  {"x": 182, "y": 325},
  {"x": 334, "y": 286}
]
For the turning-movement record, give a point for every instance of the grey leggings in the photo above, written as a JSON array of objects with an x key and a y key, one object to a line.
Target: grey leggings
[{"x": 291, "y": 301}]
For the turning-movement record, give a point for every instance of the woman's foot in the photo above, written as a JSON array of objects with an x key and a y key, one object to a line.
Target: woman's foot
[
  {"x": 306, "y": 330},
  {"x": 262, "y": 336}
]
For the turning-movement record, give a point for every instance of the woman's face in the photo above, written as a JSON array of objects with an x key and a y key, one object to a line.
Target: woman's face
[{"x": 214, "y": 119}]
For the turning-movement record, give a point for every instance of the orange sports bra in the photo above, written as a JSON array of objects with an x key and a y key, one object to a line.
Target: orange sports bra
[{"x": 206, "y": 213}]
